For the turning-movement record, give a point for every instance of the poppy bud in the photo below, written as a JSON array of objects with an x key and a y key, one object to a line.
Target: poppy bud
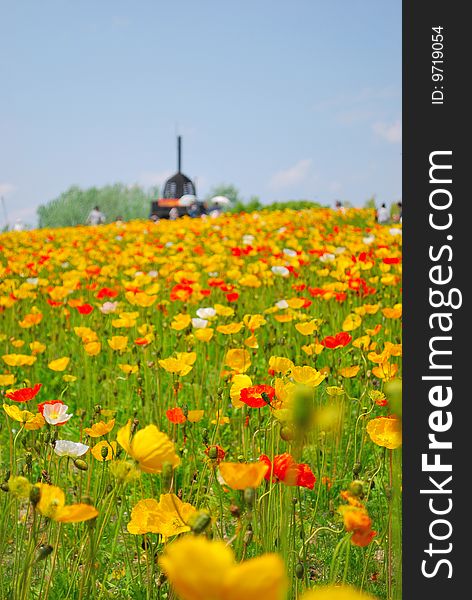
[
  {"x": 241, "y": 458},
  {"x": 249, "y": 496},
  {"x": 5, "y": 487},
  {"x": 167, "y": 474},
  {"x": 287, "y": 433},
  {"x": 248, "y": 535},
  {"x": 356, "y": 469},
  {"x": 235, "y": 511},
  {"x": 205, "y": 438},
  {"x": 43, "y": 552},
  {"x": 213, "y": 452},
  {"x": 97, "y": 408},
  {"x": 81, "y": 464},
  {"x": 35, "y": 495},
  {"x": 28, "y": 459},
  {"x": 104, "y": 452},
  {"x": 299, "y": 570},
  {"x": 199, "y": 522},
  {"x": 357, "y": 488}
]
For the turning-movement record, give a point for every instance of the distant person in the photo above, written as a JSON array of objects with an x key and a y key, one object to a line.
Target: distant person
[
  {"x": 399, "y": 204},
  {"x": 173, "y": 213},
  {"x": 383, "y": 215},
  {"x": 338, "y": 206},
  {"x": 193, "y": 211},
  {"x": 154, "y": 218},
  {"x": 18, "y": 226},
  {"x": 215, "y": 212},
  {"x": 95, "y": 217}
]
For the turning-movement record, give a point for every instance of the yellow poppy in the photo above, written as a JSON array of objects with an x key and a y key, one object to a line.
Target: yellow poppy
[
  {"x": 280, "y": 364},
  {"x": 100, "y": 428},
  {"x": 118, "y": 342},
  {"x": 37, "y": 347},
  {"x": 169, "y": 516},
  {"x": 336, "y": 592},
  {"x": 7, "y": 379},
  {"x": 60, "y": 364},
  {"x": 204, "y": 335},
  {"x": 307, "y": 328},
  {"x": 240, "y": 476},
  {"x": 149, "y": 447},
  {"x": 308, "y": 376},
  {"x": 194, "y": 416},
  {"x": 385, "y": 431},
  {"x": 18, "y": 360},
  {"x": 238, "y": 359},
  {"x": 92, "y": 348},
  {"x": 200, "y": 569},
  {"x": 230, "y": 329},
  {"x": 181, "y": 321},
  {"x": 349, "y": 371},
  {"x": 351, "y": 322}
]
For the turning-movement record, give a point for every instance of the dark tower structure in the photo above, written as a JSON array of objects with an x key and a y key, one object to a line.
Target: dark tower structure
[{"x": 179, "y": 184}]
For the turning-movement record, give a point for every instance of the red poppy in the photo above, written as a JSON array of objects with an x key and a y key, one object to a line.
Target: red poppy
[
  {"x": 53, "y": 302},
  {"x": 176, "y": 415},
  {"x": 336, "y": 341},
  {"x": 252, "y": 396},
  {"x": 285, "y": 469},
  {"x": 41, "y": 405},
  {"x": 232, "y": 296},
  {"x": 106, "y": 293},
  {"x": 85, "y": 309},
  {"x": 23, "y": 394},
  {"x": 142, "y": 341},
  {"x": 181, "y": 292}
]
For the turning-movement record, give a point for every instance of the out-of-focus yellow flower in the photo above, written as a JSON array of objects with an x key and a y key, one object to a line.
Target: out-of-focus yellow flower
[
  {"x": 93, "y": 348},
  {"x": 118, "y": 342},
  {"x": 194, "y": 416},
  {"x": 229, "y": 329},
  {"x": 307, "y": 328},
  {"x": 224, "y": 311},
  {"x": 60, "y": 364},
  {"x": 200, "y": 569},
  {"x": 128, "y": 369},
  {"x": 181, "y": 365},
  {"x": 336, "y": 592},
  {"x": 31, "y": 320},
  {"x": 253, "y": 322},
  {"x": 349, "y": 371},
  {"x": 362, "y": 342},
  {"x": 181, "y": 321},
  {"x": 149, "y": 447},
  {"x": 351, "y": 322},
  {"x": 251, "y": 342},
  {"x": 110, "y": 448},
  {"x": 250, "y": 280},
  {"x": 204, "y": 335},
  {"x": 52, "y": 504},
  {"x": 86, "y": 334},
  {"x": 295, "y": 303},
  {"x": 17, "y": 343},
  {"x": 240, "y": 476},
  {"x": 19, "y": 487},
  {"x": 392, "y": 313},
  {"x": 18, "y": 360},
  {"x": 69, "y": 378},
  {"x": 308, "y": 376},
  {"x": 385, "y": 431},
  {"x": 7, "y": 379},
  {"x": 385, "y": 371},
  {"x": 238, "y": 359},
  {"x": 100, "y": 428},
  {"x": 311, "y": 349},
  {"x": 37, "y": 347},
  {"x": 140, "y": 299},
  {"x": 220, "y": 419},
  {"x": 168, "y": 517}
]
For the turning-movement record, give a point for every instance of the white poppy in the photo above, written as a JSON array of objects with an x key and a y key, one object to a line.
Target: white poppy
[{"x": 68, "y": 448}]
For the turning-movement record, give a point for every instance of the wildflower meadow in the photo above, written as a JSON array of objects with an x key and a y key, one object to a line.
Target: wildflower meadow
[{"x": 202, "y": 409}]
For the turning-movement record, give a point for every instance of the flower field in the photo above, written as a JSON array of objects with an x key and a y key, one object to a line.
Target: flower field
[{"x": 203, "y": 409}]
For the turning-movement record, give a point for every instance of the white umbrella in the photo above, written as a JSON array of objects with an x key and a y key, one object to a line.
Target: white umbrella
[
  {"x": 187, "y": 200},
  {"x": 220, "y": 200}
]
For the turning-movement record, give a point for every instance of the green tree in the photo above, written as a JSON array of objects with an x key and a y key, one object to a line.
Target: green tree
[
  {"x": 72, "y": 206},
  {"x": 226, "y": 189}
]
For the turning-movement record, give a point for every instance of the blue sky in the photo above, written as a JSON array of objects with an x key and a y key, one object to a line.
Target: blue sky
[{"x": 285, "y": 100}]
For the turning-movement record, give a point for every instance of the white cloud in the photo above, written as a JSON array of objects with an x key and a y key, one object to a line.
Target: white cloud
[
  {"x": 293, "y": 175},
  {"x": 6, "y": 188},
  {"x": 392, "y": 132}
]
